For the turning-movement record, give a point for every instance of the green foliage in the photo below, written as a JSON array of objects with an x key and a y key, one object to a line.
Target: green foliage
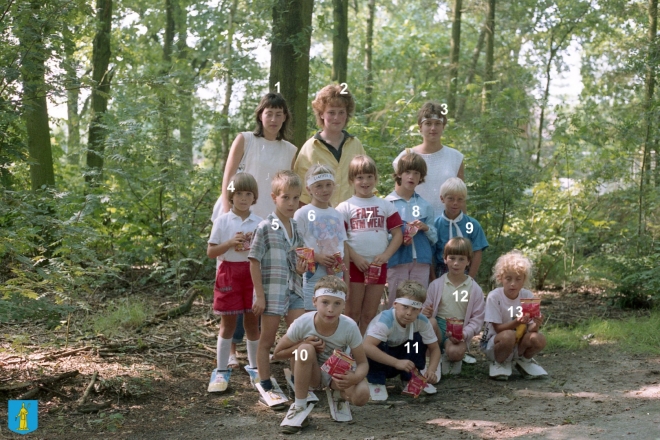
[{"x": 123, "y": 315}]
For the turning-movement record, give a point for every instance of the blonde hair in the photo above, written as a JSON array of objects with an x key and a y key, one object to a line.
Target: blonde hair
[
  {"x": 410, "y": 161},
  {"x": 361, "y": 164},
  {"x": 244, "y": 182},
  {"x": 516, "y": 262},
  {"x": 459, "y": 246},
  {"x": 431, "y": 108},
  {"x": 283, "y": 180},
  {"x": 333, "y": 95},
  {"x": 411, "y": 289},
  {"x": 453, "y": 185},
  {"x": 318, "y": 168},
  {"x": 331, "y": 282}
]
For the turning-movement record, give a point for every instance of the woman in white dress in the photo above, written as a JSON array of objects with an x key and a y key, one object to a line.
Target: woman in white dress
[{"x": 442, "y": 162}]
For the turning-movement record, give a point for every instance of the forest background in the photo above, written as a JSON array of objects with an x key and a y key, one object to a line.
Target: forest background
[{"x": 116, "y": 196}]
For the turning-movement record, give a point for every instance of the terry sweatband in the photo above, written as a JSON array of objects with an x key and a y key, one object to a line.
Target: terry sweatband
[
  {"x": 324, "y": 291},
  {"x": 325, "y": 176},
  {"x": 434, "y": 116},
  {"x": 409, "y": 302}
]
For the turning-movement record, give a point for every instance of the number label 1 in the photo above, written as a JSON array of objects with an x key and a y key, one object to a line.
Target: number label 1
[
  {"x": 415, "y": 212},
  {"x": 415, "y": 346},
  {"x": 344, "y": 89},
  {"x": 311, "y": 215},
  {"x": 231, "y": 186},
  {"x": 275, "y": 225},
  {"x": 277, "y": 86},
  {"x": 303, "y": 354},
  {"x": 469, "y": 227},
  {"x": 464, "y": 298},
  {"x": 517, "y": 309}
]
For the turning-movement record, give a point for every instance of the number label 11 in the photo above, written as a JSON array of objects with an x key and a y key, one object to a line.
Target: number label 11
[{"x": 415, "y": 346}]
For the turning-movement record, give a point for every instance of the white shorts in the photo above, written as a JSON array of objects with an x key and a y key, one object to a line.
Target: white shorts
[{"x": 489, "y": 351}]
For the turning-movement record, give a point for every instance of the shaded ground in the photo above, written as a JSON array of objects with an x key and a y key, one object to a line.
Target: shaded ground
[{"x": 156, "y": 386}]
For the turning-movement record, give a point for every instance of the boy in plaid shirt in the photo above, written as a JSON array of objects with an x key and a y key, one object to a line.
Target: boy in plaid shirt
[{"x": 275, "y": 269}]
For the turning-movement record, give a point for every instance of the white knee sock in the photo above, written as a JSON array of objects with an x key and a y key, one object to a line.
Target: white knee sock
[
  {"x": 252, "y": 352},
  {"x": 222, "y": 353}
]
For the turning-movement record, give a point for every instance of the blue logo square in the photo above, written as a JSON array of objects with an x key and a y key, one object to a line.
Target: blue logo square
[{"x": 23, "y": 416}]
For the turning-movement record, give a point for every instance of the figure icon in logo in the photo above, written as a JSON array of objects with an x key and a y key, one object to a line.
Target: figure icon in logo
[{"x": 22, "y": 414}]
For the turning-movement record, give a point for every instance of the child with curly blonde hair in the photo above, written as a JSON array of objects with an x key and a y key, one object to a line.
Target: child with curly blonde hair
[{"x": 501, "y": 343}]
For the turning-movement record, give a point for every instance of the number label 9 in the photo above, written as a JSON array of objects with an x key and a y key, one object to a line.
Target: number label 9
[
  {"x": 469, "y": 227},
  {"x": 518, "y": 311}
]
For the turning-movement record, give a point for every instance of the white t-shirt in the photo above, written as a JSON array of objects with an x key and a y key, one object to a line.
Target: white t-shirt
[
  {"x": 226, "y": 226},
  {"x": 441, "y": 165},
  {"x": 500, "y": 309},
  {"x": 346, "y": 335},
  {"x": 262, "y": 158},
  {"x": 386, "y": 328},
  {"x": 367, "y": 224},
  {"x": 325, "y": 233}
]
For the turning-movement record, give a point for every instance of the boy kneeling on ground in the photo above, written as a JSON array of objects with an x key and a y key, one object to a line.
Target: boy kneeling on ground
[{"x": 312, "y": 339}]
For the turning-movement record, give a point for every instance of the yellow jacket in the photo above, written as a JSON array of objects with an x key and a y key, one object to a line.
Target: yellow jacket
[{"x": 313, "y": 151}]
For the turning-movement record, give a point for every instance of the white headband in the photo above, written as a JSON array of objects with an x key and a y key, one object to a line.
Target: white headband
[
  {"x": 325, "y": 176},
  {"x": 433, "y": 116},
  {"x": 329, "y": 292},
  {"x": 409, "y": 302}
]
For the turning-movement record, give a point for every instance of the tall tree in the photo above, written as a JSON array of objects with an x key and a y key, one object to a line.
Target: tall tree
[
  {"x": 100, "y": 91},
  {"x": 455, "y": 51},
  {"x": 490, "y": 51},
  {"x": 469, "y": 78},
  {"x": 289, "y": 59},
  {"x": 651, "y": 63},
  {"x": 368, "y": 54},
  {"x": 72, "y": 96},
  {"x": 340, "y": 41},
  {"x": 229, "y": 83},
  {"x": 185, "y": 86},
  {"x": 32, "y": 32}
]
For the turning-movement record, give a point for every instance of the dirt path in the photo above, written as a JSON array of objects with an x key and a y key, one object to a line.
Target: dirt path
[{"x": 160, "y": 393}]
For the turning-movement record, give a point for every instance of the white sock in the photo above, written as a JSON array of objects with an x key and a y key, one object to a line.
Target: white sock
[
  {"x": 252, "y": 347},
  {"x": 301, "y": 403},
  {"x": 222, "y": 353}
]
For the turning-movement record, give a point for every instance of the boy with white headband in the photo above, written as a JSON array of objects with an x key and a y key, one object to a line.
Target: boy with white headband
[
  {"x": 322, "y": 229},
  {"x": 311, "y": 340},
  {"x": 454, "y": 223},
  {"x": 398, "y": 339}
]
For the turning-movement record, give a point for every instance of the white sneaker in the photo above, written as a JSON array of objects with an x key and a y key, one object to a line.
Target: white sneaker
[
  {"x": 377, "y": 391},
  {"x": 455, "y": 368},
  {"x": 500, "y": 371},
  {"x": 445, "y": 364},
  {"x": 469, "y": 359},
  {"x": 529, "y": 368},
  {"x": 430, "y": 389}
]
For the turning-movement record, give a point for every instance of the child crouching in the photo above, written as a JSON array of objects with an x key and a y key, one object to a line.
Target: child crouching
[
  {"x": 311, "y": 340},
  {"x": 510, "y": 335}
]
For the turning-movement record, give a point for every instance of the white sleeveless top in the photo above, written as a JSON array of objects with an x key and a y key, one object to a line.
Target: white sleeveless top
[
  {"x": 262, "y": 158},
  {"x": 440, "y": 165}
]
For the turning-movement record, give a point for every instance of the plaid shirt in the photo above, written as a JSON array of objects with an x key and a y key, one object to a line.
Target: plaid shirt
[{"x": 278, "y": 262}]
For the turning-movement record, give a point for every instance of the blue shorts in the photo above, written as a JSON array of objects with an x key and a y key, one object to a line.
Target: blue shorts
[
  {"x": 295, "y": 302},
  {"x": 442, "y": 325}
]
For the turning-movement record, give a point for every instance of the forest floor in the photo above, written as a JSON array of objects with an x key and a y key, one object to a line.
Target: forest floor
[{"x": 154, "y": 387}]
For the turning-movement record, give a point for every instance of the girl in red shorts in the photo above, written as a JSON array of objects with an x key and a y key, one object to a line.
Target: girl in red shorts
[{"x": 230, "y": 242}]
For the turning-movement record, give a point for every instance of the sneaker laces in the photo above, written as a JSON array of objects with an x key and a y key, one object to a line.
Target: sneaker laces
[{"x": 295, "y": 412}]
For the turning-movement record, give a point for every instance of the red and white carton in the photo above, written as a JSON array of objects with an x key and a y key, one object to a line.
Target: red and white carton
[
  {"x": 531, "y": 306},
  {"x": 246, "y": 245},
  {"x": 415, "y": 385},
  {"x": 455, "y": 327},
  {"x": 307, "y": 254},
  {"x": 338, "y": 265},
  {"x": 408, "y": 233},
  {"x": 339, "y": 363},
  {"x": 373, "y": 274}
]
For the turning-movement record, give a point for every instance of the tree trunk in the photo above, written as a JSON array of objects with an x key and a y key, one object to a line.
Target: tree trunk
[
  {"x": 229, "y": 85},
  {"x": 101, "y": 81},
  {"x": 651, "y": 62},
  {"x": 73, "y": 94},
  {"x": 368, "y": 53},
  {"x": 544, "y": 101},
  {"x": 35, "y": 107},
  {"x": 185, "y": 90},
  {"x": 486, "y": 97},
  {"x": 473, "y": 68},
  {"x": 289, "y": 59},
  {"x": 340, "y": 41},
  {"x": 454, "y": 57}
]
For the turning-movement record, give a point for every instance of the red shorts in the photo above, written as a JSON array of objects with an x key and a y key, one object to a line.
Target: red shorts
[
  {"x": 357, "y": 276},
  {"x": 233, "y": 290}
]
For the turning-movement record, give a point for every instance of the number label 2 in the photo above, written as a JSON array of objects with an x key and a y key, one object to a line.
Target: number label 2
[{"x": 344, "y": 90}]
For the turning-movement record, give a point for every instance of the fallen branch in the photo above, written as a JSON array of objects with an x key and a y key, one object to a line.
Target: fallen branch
[
  {"x": 196, "y": 353},
  {"x": 94, "y": 407},
  {"x": 184, "y": 308},
  {"x": 30, "y": 394},
  {"x": 85, "y": 395},
  {"x": 49, "y": 357},
  {"x": 44, "y": 381}
]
